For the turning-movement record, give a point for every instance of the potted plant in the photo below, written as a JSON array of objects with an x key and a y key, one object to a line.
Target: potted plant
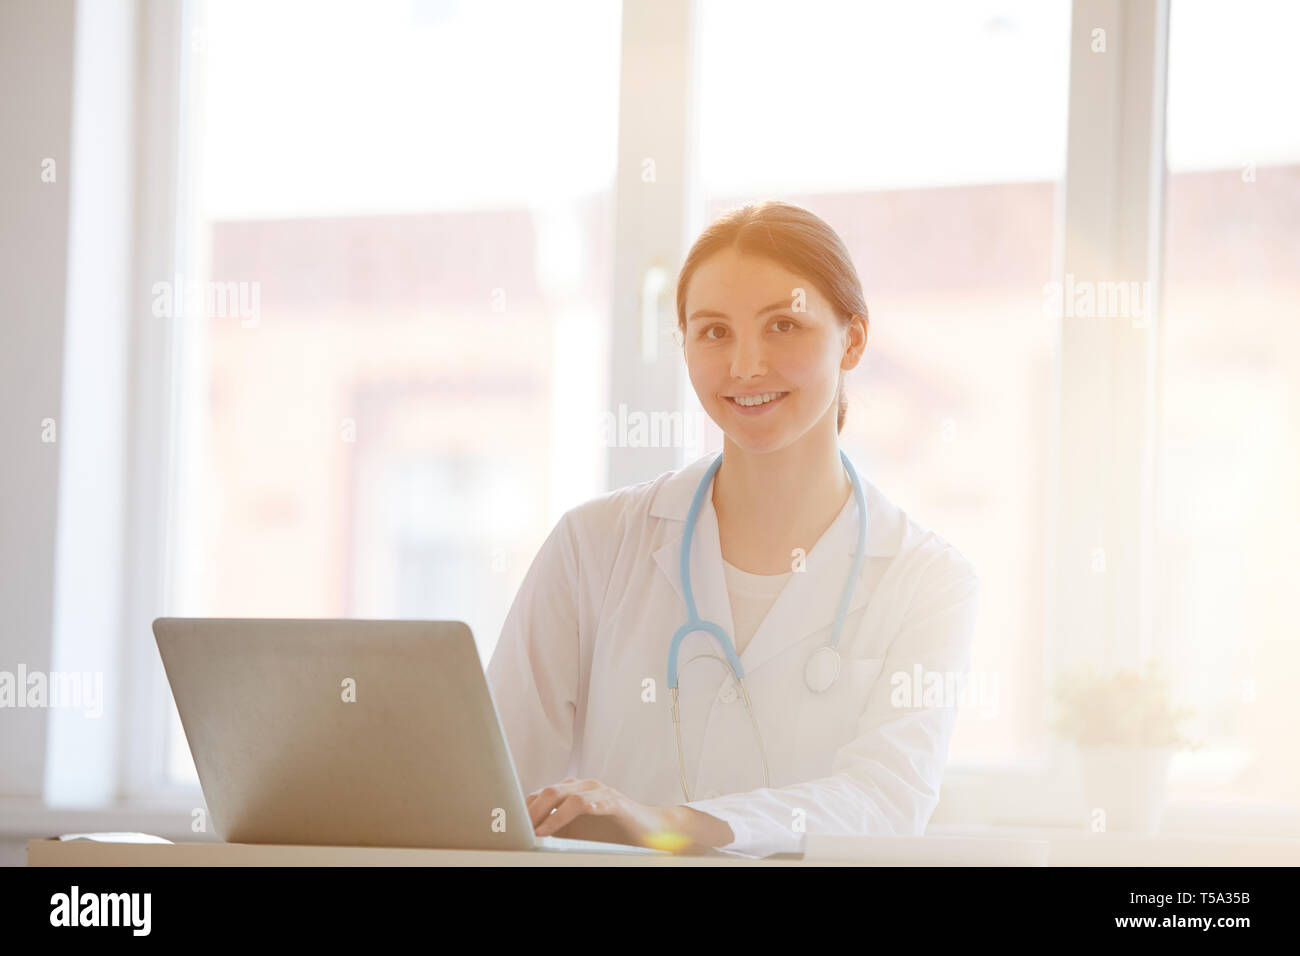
[{"x": 1126, "y": 732}]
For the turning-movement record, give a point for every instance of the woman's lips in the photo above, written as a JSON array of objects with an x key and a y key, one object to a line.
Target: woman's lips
[{"x": 753, "y": 410}]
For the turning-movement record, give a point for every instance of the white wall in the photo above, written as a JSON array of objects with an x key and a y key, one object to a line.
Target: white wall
[{"x": 36, "y": 77}]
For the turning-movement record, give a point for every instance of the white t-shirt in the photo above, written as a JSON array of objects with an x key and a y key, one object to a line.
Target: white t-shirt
[{"x": 752, "y": 596}]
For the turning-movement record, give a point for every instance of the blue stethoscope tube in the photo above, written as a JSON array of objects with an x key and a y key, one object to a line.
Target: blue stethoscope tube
[{"x": 819, "y": 678}]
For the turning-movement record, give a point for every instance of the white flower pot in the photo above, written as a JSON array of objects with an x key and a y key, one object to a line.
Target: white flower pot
[{"x": 1128, "y": 783}]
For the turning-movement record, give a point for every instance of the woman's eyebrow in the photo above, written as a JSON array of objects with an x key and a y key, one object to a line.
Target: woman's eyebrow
[{"x": 714, "y": 314}]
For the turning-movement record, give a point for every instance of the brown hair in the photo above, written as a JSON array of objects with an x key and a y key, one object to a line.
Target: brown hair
[{"x": 793, "y": 238}]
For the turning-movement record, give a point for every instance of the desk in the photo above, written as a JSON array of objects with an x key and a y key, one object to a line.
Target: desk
[
  {"x": 1064, "y": 847},
  {"x": 89, "y": 853}
]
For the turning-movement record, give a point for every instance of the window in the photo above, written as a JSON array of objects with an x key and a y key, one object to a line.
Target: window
[
  {"x": 406, "y": 214},
  {"x": 413, "y": 318},
  {"x": 1228, "y": 463}
]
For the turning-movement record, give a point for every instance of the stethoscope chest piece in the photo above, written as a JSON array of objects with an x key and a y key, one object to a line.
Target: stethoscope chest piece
[{"x": 822, "y": 669}]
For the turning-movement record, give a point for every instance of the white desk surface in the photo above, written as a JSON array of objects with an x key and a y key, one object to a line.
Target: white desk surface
[
  {"x": 1063, "y": 847},
  {"x": 88, "y": 853}
]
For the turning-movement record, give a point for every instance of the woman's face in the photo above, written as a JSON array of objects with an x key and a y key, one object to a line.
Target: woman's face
[{"x": 744, "y": 340}]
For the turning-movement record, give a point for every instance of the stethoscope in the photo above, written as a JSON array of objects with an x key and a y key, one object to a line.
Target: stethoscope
[{"x": 823, "y": 667}]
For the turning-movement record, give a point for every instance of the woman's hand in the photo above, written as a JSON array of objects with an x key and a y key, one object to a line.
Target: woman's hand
[{"x": 589, "y": 810}]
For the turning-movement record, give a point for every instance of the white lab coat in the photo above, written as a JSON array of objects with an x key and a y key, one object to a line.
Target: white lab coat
[{"x": 579, "y": 675}]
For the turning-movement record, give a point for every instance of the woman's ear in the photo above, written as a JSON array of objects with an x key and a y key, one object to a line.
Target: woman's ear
[{"x": 855, "y": 335}]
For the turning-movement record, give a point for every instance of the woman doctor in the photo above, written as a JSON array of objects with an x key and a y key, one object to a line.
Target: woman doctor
[{"x": 797, "y": 707}]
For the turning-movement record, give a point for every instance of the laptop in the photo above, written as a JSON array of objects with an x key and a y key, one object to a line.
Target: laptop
[{"x": 349, "y": 733}]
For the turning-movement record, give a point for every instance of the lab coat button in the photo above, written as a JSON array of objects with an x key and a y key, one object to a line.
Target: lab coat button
[{"x": 728, "y": 693}]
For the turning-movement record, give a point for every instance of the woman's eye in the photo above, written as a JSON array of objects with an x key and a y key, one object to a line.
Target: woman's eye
[
  {"x": 711, "y": 328},
  {"x": 784, "y": 319}
]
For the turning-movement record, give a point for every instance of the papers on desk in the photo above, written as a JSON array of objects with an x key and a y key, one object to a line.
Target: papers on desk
[
  {"x": 115, "y": 837},
  {"x": 571, "y": 845},
  {"x": 926, "y": 850}
]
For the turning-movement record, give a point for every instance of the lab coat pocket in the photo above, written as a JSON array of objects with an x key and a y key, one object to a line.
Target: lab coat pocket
[
  {"x": 863, "y": 673},
  {"x": 860, "y": 676},
  {"x": 838, "y": 710}
]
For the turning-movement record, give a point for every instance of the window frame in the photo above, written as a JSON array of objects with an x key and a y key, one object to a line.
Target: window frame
[{"x": 157, "y": 355}]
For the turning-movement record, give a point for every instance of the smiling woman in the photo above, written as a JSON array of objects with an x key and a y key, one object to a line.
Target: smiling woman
[
  {"x": 808, "y": 580},
  {"x": 755, "y": 238}
]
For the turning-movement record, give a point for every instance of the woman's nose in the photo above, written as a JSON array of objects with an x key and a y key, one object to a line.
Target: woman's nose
[{"x": 749, "y": 358}]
